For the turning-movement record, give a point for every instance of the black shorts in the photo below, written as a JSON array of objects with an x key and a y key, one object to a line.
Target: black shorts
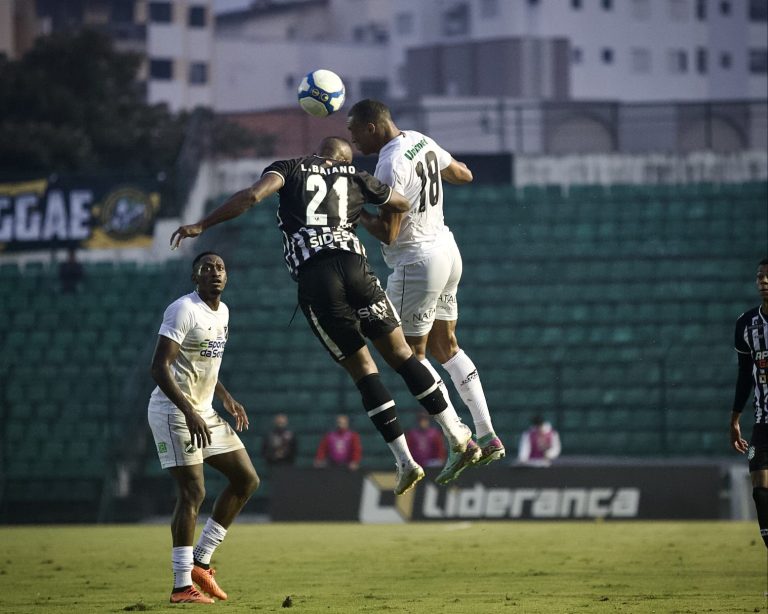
[
  {"x": 343, "y": 301},
  {"x": 757, "y": 454}
]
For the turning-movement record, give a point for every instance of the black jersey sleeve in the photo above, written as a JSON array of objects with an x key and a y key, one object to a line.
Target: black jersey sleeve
[
  {"x": 284, "y": 168},
  {"x": 374, "y": 191},
  {"x": 739, "y": 342},
  {"x": 743, "y": 382}
]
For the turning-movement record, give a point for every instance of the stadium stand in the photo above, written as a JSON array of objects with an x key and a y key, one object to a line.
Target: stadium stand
[{"x": 607, "y": 310}]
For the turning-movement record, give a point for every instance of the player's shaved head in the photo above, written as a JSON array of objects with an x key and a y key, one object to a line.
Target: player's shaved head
[
  {"x": 369, "y": 111},
  {"x": 336, "y": 148}
]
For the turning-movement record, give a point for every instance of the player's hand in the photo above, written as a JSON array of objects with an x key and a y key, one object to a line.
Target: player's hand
[
  {"x": 737, "y": 441},
  {"x": 198, "y": 429},
  {"x": 182, "y": 232},
  {"x": 238, "y": 412}
]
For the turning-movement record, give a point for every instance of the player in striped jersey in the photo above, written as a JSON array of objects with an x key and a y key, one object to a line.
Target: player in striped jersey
[
  {"x": 423, "y": 254},
  {"x": 752, "y": 347},
  {"x": 321, "y": 200}
]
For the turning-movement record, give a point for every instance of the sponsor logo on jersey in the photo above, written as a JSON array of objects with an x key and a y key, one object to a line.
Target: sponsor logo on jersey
[
  {"x": 411, "y": 153},
  {"x": 330, "y": 238},
  {"x": 448, "y": 298},
  {"x": 212, "y": 348}
]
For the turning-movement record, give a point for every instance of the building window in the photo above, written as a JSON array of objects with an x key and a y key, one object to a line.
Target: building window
[
  {"x": 678, "y": 10},
  {"x": 121, "y": 11},
  {"x": 678, "y": 61},
  {"x": 198, "y": 73},
  {"x": 196, "y": 16},
  {"x": 701, "y": 10},
  {"x": 758, "y": 61},
  {"x": 577, "y": 55},
  {"x": 456, "y": 20},
  {"x": 489, "y": 9},
  {"x": 607, "y": 55},
  {"x": 725, "y": 60},
  {"x": 404, "y": 23},
  {"x": 640, "y": 60},
  {"x": 641, "y": 9},
  {"x": 161, "y": 70},
  {"x": 702, "y": 60},
  {"x": 758, "y": 10},
  {"x": 725, "y": 8},
  {"x": 607, "y": 5},
  {"x": 160, "y": 12}
]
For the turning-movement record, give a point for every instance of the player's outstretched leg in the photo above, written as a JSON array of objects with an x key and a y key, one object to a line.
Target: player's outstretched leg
[
  {"x": 380, "y": 408},
  {"x": 464, "y": 452}
]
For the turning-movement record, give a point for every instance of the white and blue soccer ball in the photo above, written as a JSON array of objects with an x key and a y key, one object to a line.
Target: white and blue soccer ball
[{"x": 321, "y": 93}]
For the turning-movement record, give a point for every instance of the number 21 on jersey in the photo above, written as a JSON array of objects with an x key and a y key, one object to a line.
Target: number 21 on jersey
[{"x": 316, "y": 184}]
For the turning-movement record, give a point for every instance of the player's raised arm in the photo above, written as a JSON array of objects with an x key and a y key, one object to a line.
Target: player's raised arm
[
  {"x": 456, "y": 173},
  {"x": 234, "y": 206}
]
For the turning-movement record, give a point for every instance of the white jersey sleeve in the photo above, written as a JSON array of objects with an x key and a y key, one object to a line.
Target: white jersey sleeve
[{"x": 178, "y": 320}]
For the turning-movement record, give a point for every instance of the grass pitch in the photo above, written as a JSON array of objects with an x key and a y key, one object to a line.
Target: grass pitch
[{"x": 461, "y": 568}]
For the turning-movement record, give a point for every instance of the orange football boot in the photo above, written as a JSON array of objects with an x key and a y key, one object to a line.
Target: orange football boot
[
  {"x": 207, "y": 583},
  {"x": 189, "y": 595}
]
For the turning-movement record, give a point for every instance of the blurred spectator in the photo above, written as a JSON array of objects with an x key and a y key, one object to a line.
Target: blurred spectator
[
  {"x": 279, "y": 445},
  {"x": 426, "y": 443},
  {"x": 540, "y": 444},
  {"x": 70, "y": 272},
  {"x": 340, "y": 448}
]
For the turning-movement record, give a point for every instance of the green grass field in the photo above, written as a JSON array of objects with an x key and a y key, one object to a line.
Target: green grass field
[{"x": 512, "y": 567}]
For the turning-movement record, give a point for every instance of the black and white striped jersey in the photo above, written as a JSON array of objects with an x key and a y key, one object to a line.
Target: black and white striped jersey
[
  {"x": 752, "y": 338},
  {"x": 320, "y": 204}
]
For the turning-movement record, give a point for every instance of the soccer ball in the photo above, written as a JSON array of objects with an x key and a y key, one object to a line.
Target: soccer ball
[{"x": 321, "y": 93}]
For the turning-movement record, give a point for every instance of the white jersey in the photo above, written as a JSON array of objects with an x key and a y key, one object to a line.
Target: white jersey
[
  {"x": 202, "y": 334},
  {"x": 411, "y": 164}
]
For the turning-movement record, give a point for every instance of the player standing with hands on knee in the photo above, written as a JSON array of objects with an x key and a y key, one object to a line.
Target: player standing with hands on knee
[
  {"x": 425, "y": 259},
  {"x": 751, "y": 341}
]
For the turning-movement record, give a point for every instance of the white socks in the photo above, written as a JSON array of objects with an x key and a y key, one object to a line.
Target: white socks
[
  {"x": 400, "y": 449},
  {"x": 213, "y": 534},
  {"x": 467, "y": 382},
  {"x": 448, "y": 419},
  {"x": 181, "y": 559}
]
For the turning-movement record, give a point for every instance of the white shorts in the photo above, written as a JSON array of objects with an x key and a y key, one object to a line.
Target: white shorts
[
  {"x": 425, "y": 291},
  {"x": 172, "y": 440}
]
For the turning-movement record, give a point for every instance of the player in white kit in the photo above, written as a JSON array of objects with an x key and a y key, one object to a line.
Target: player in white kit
[
  {"x": 188, "y": 431},
  {"x": 423, "y": 254}
]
